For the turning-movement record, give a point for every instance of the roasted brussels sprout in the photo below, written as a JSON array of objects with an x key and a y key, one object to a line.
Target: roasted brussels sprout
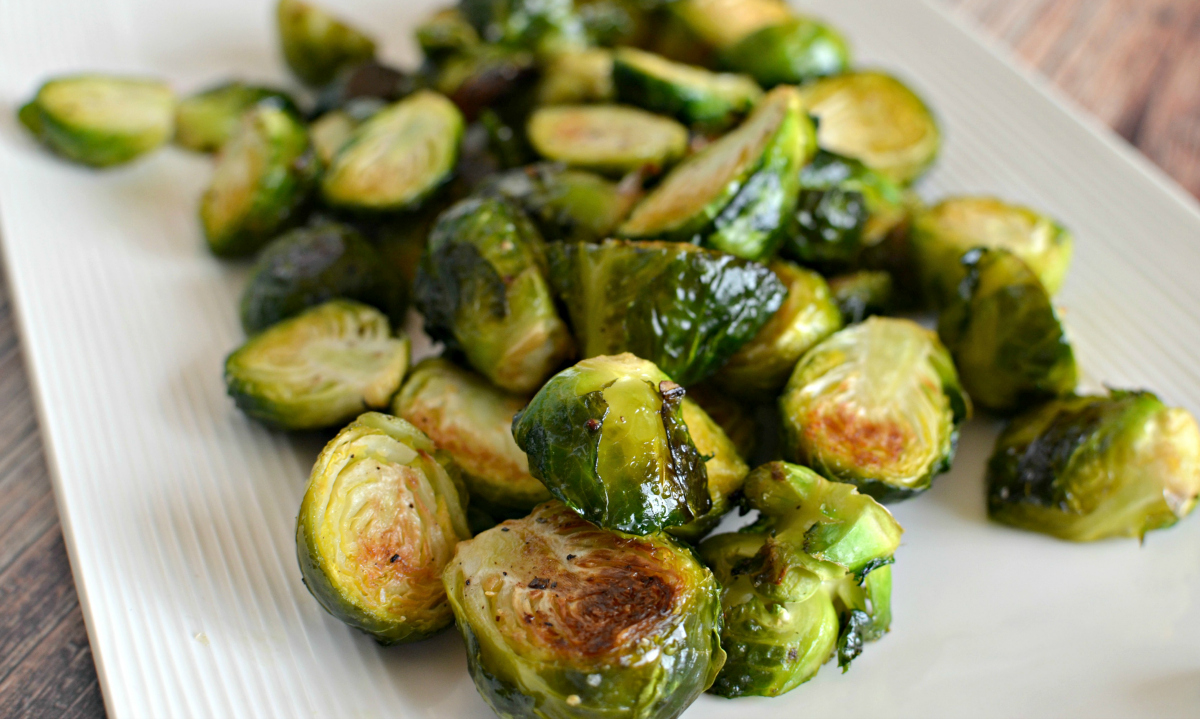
[
  {"x": 612, "y": 23},
  {"x": 563, "y": 619},
  {"x": 399, "y": 157},
  {"x": 378, "y": 525},
  {"x": 311, "y": 265},
  {"x": 793, "y": 52},
  {"x": 1007, "y": 341},
  {"x": 482, "y": 291},
  {"x": 369, "y": 82},
  {"x": 943, "y": 233},
  {"x": 861, "y": 294},
  {"x": 567, "y": 204},
  {"x": 724, "y": 23},
  {"x": 877, "y": 405},
  {"x": 206, "y": 120},
  {"x": 317, "y": 45},
  {"x": 608, "y": 438},
  {"x": 762, "y": 366},
  {"x": 319, "y": 368},
  {"x": 875, "y": 118},
  {"x": 606, "y": 138},
  {"x": 472, "y": 420},
  {"x": 100, "y": 121},
  {"x": 541, "y": 25},
  {"x": 808, "y": 580},
  {"x": 724, "y": 465},
  {"x": 329, "y": 132},
  {"x": 577, "y": 77},
  {"x": 734, "y": 417},
  {"x": 484, "y": 77},
  {"x": 736, "y": 194},
  {"x": 689, "y": 94},
  {"x": 446, "y": 32},
  {"x": 685, "y": 309},
  {"x": 262, "y": 180}
]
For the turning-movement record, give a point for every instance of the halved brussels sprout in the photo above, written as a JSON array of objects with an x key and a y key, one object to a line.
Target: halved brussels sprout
[
  {"x": 263, "y": 177},
  {"x": 311, "y": 265},
  {"x": 724, "y": 465},
  {"x": 1007, "y": 341},
  {"x": 472, "y": 420},
  {"x": 206, "y": 120},
  {"x": 612, "y": 23},
  {"x": 873, "y": 117},
  {"x": 577, "y": 77},
  {"x": 317, "y": 45},
  {"x": 688, "y": 93},
  {"x": 608, "y": 438},
  {"x": 378, "y": 525},
  {"x": 330, "y": 132},
  {"x": 397, "y": 158},
  {"x": 481, "y": 78},
  {"x": 735, "y": 418},
  {"x": 736, "y": 193},
  {"x": 877, "y": 405},
  {"x": 98, "y": 120},
  {"x": 446, "y": 32},
  {"x": 943, "y": 233},
  {"x": 724, "y": 23},
  {"x": 793, "y": 52},
  {"x": 1088, "y": 468},
  {"x": 762, "y": 366},
  {"x": 567, "y": 204},
  {"x": 541, "y": 25},
  {"x": 319, "y": 368},
  {"x": 684, "y": 308},
  {"x": 563, "y": 619},
  {"x": 861, "y": 294},
  {"x": 808, "y": 580},
  {"x": 606, "y": 138},
  {"x": 482, "y": 291},
  {"x": 371, "y": 82}
]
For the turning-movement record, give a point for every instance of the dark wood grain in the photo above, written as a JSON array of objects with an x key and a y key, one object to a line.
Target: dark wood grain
[{"x": 1135, "y": 64}]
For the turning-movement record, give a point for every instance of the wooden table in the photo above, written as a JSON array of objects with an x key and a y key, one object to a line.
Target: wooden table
[{"x": 1133, "y": 63}]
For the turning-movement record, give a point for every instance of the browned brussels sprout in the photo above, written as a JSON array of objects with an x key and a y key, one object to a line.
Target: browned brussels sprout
[
  {"x": 317, "y": 45},
  {"x": 606, "y": 138}
]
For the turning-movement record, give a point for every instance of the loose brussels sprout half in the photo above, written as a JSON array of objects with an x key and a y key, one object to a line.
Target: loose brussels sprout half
[
  {"x": 542, "y": 25},
  {"x": 206, "y": 120},
  {"x": 877, "y": 405},
  {"x": 793, "y": 52},
  {"x": 943, "y": 233},
  {"x": 1088, "y": 468},
  {"x": 100, "y": 121},
  {"x": 311, "y": 265},
  {"x": 482, "y": 291},
  {"x": 1007, "y": 341},
  {"x": 446, "y": 32},
  {"x": 378, "y": 525},
  {"x": 397, "y": 158},
  {"x": 808, "y": 580},
  {"x": 762, "y": 366},
  {"x": 566, "y": 204},
  {"x": 690, "y": 94},
  {"x": 319, "y": 368},
  {"x": 861, "y": 294},
  {"x": 724, "y": 23},
  {"x": 736, "y": 194},
  {"x": 875, "y": 118},
  {"x": 608, "y": 438},
  {"x": 472, "y": 421},
  {"x": 317, "y": 45},
  {"x": 685, "y": 309},
  {"x": 263, "y": 177},
  {"x": 606, "y": 138},
  {"x": 577, "y": 77},
  {"x": 563, "y": 619},
  {"x": 735, "y": 418},
  {"x": 724, "y": 465}
]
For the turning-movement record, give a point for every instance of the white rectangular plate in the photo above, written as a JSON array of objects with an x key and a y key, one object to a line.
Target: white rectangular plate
[{"x": 179, "y": 512}]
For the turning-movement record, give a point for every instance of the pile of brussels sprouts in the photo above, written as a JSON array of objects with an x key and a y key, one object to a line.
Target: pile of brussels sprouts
[{"x": 660, "y": 242}]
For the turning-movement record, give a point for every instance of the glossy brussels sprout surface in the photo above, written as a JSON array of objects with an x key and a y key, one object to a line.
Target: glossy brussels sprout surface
[
  {"x": 204, "y": 121},
  {"x": 576, "y": 77},
  {"x": 606, "y": 138},
  {"x": 690, "y": 94},
  {"x": 795, "y": 51},
  {"x": 317, "y": 45},
  {"x": 723, "y": 464},
  {"x": 564, "y": 619},
  {"x": 378, "y": 524},
  {"x": 1093, "y": 467}
]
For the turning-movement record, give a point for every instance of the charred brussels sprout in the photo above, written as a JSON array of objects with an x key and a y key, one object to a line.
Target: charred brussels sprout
[
  {"x": 736, "y": 194},
  {"x": 1007, "y": 341},
  {"x": 609, "y": 439},
  {"x": 1088, "y": 468},
  {"x": 567, "y": 204},
  {"x": 471, "y": 420},
  {"x": 724, "y": 23},
  {"x": 206, "y": 120},
  {"x": 807, "y": 581},
  {"x": 793, "y": 52},
  {"x": 563, "y": 619},
  {"x": 397, "y": 158},
  {"x": 861, "y": 294},
  {"x": 690, "y": 94},
  {"x": 482, "y": 291},
  {"x": 319, "y": 368},
  {"x": 808, "y": 315},
  {"x": 577, "y": 77},
  {"x": 263, "y": 177},
  {"x": 724, "y": 465},
  {"x": 943, "y": 233},
  {"x": 875, "y": 118},
  {"x": 606, "y": 138},
  {"x": 100, "y": 121},
  {"x": 377, "y": 526},
  {"x": 317, "y": 45},
  {"x": 877, "y": 405},
  {"x": 311, "y": 265},
  {"x": 684, "y": 308}
]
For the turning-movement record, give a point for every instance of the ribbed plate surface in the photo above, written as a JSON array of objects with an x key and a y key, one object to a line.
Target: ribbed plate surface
[{"x": 179, "y": 513}]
